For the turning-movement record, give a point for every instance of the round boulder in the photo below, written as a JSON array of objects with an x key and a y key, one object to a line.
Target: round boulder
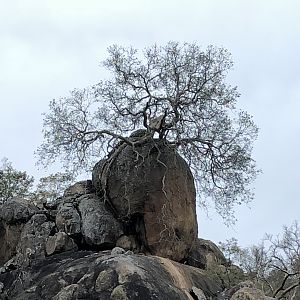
[{"x": 151, "y": 190}]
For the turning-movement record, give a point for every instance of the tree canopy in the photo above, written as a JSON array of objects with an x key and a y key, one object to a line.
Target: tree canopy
[
  {"x": 52, "y": 186},
  {"x": 13, "y": 183},
  {"x": 177, "y": 92}
]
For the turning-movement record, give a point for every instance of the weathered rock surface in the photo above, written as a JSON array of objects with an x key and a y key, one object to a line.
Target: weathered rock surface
[
  {"x": 21, "y": 229},
  {"x": 17, "y": 210},
  {"x": 99, "y": 227},
  {"x": 152, "y": 191},
  {"x": 32, "y": 243},
  {"x": 41, "y": 259},
  {"x": 96, "y": 176},
  {"x": 205, "y": 254},
  {"x": 88, "y": 275},
  {"x": 9, "y": 237},
  {"x": 78, "y": 219},
  {"x": 243, "y": 291},
  {"x": 68, "y": 219},
  {"x": 141, "y": 201},
  {"x": 60, "y": 242}
]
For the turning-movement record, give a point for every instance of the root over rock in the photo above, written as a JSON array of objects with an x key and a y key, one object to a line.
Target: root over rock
[{"x": 151, "y": 189}]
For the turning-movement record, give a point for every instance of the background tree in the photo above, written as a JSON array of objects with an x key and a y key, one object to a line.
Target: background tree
[
  {"x": 274, "y": 265},
  {"x": 176, "y": 93},
  {"x": 52, "y": 186},
  {"x": 285, "y": 263},
  {"x": 13, "y": 183}
]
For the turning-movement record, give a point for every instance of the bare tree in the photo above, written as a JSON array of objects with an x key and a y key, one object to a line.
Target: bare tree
[
  {"x": 285, "y": 262},
  {"x": 274, "y": 264},
  {"x": 176, "y": 93}
]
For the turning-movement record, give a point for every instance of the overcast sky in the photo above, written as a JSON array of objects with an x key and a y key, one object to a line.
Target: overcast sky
[{"x": 49, "y": 47}]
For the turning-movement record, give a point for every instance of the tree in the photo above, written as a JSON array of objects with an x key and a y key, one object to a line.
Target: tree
[
  {"x": 284, "y": 254},
  {"x": 52, "y": 186},
  {"x": 274, "y": 264},
  {"x": 13, "y": 183},
  {"x": 176, "y": 93}
]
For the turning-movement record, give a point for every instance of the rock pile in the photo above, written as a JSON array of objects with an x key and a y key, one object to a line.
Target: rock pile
[
  {"x": 130, "y": 233},
  {"x": 78, "y": 220}
]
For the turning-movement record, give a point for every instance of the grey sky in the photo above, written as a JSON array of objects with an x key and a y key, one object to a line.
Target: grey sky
[{"x": 50, "y": 47}]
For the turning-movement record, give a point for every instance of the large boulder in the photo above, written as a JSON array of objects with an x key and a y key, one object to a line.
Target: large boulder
[
  {"x": 88, "y": 275},
  {"x": 151, "y": 190}
]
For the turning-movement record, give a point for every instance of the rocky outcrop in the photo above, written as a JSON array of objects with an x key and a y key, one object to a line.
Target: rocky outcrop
[
  {"x": 88, "y": 275},
  {"x": 99, "y": 239},
  {"x": 50, "y": 260},
  {"x": 79, "y": 220},
  {"x": 114, "y": 275},
  {"x": 152, "y": 192}
]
